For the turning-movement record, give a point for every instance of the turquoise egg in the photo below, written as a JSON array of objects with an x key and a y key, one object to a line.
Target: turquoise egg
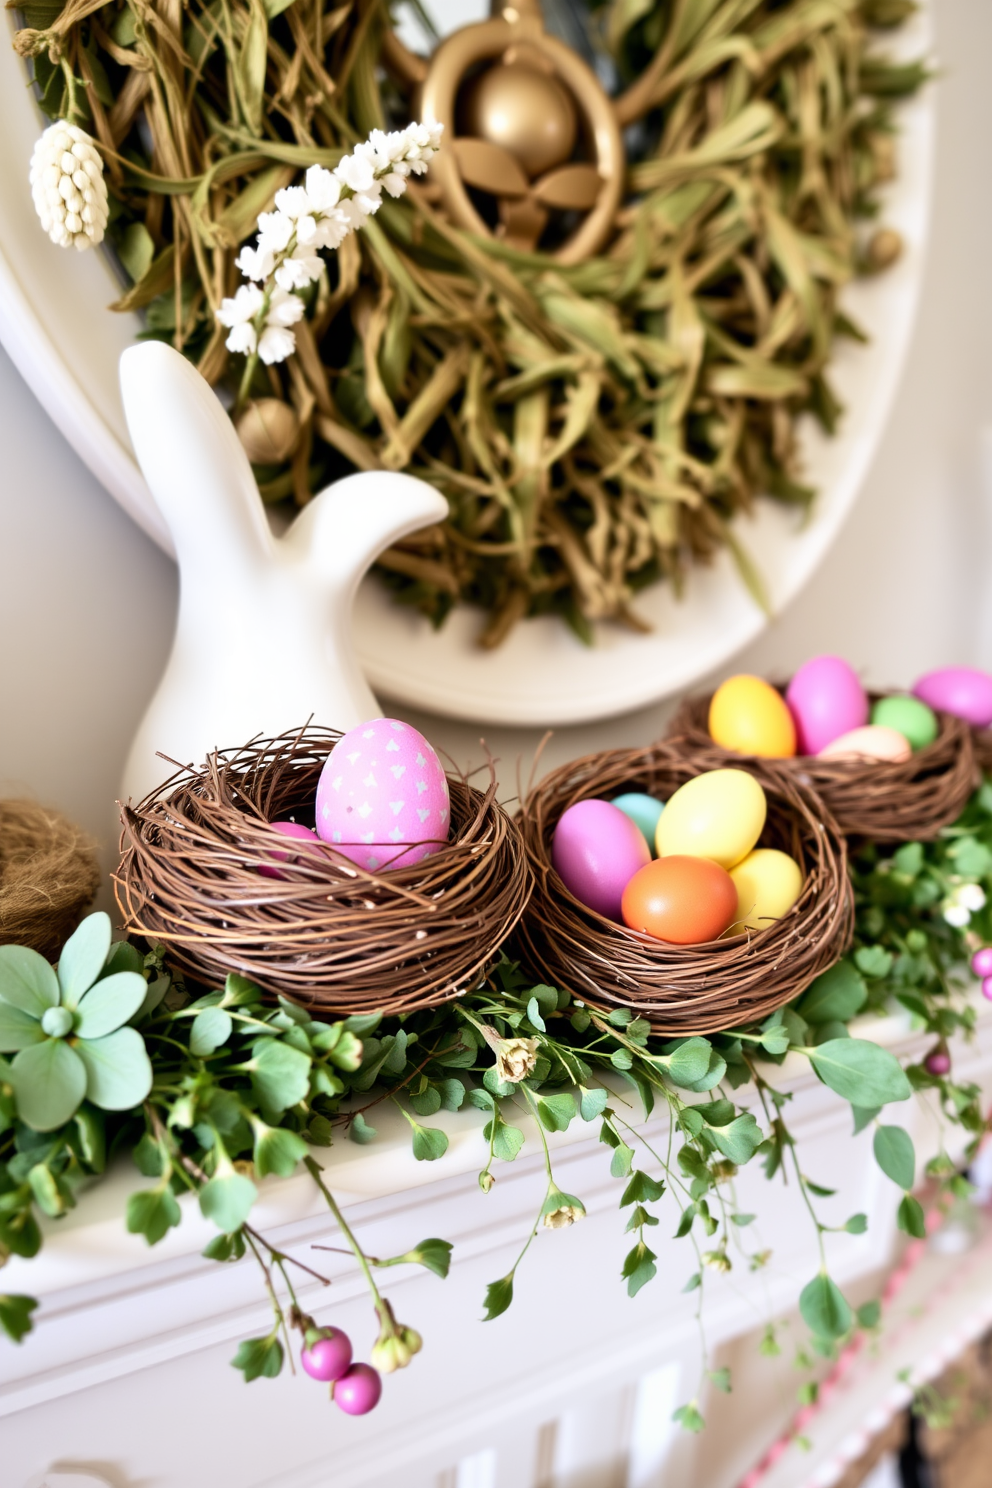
[{"x": 643, "y": 811}]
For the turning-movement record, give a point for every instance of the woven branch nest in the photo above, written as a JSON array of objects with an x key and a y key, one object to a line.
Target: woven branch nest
[
  {"x": 684, "y": 989},
  {"x": 48, "y": 877},
  {"x": 907, "y": 802},
  {"x": 326, "y": 933},
  {"x": 981, "y": 743}
]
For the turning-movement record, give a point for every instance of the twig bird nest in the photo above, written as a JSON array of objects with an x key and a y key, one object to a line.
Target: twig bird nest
[
  {"x": 324, "y": 932},
  {"x": 909, "y": 801},
  {"x": 596, "y": 323},
  {"x": 48, "y": 877},
  {"x": 696, "y": 988}
]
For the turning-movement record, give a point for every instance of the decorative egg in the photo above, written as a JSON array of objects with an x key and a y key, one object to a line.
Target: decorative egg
[
  {"x": 680, "y": 899},
  {"x": 288, "y": 829},
  {"x": 749, "y": 716},
  {"x": 963, "y": 691},
  {"x": 826, "y": 699},
  {"x": 596, "y": 851},
  {"x": 717, "y": 815},
  {"x": 873, "y": 742},
  {"x": 382, "y": 786},
  {"x": 908, "y": 716},
  {"x": 767, "y": 884},
  {"x": 643, "y": 810}
]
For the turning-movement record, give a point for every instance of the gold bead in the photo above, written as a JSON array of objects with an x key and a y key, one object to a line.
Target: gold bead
[
  {"x": 268, "y": 430},
  {"x": 529, "y": 113}
]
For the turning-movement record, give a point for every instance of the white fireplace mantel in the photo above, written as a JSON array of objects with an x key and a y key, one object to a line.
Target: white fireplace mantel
[{"x": 127, "y": 1373}]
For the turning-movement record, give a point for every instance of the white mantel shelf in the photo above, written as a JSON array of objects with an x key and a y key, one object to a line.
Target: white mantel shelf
[{"x": 123, "y": 1327}]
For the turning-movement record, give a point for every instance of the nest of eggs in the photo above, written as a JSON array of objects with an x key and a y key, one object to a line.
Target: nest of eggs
[
  {"x": 891, "y": 801},
  {"x": 323, "y": 931},
  {"x": 686, "y": 989},
  {"x": 48, "y": 877}
]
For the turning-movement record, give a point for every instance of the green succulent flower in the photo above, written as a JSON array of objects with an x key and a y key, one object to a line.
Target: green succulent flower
[{"x": 66, "y": 1029}]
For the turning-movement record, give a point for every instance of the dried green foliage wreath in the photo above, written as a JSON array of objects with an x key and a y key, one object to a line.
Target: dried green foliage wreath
[{"x": 593, "y": 427}]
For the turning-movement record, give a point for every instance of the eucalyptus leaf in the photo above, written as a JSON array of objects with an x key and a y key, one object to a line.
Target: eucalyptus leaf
[
  {"x": 227, "y": 1200},
  {"x": 109, "y": 1003},
  {"x": 259, "y": 1358},
  {"x": 860, "y": 1072},
  {"x": 499, "y": 1295},
  {"x": 824, "y": 1308},
  {"x": 152, "y": 1213},
  {"x": 118, "y": 1070},
  {"x": 27, "y": 981},
  {"x": 15, "y": 1315},
  {"x": 836, "y": 996},
  {"x": 211, "y": 1029},
  {"x": 277, "y": 1150},
  {"x": 18, "y": 1029},
  {"x": 49, "y": 1081},
  {"x": 429, "y": 1143},
  {"x": 895, "y": 1155},
  {"x": 279, "y": 1073},
  {"x": 83, "y": 957}
]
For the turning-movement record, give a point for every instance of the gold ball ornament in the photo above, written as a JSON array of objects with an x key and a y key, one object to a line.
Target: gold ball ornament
[
  {"x": 528, "y": 112},
  {"x": 268, "y": 430}
]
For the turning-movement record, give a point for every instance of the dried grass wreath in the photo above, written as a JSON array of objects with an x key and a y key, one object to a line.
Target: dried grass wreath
[
  {"x": 907, "y": 802},
  {"x": 684, "y": 989},
  {"x": 325, "y": 932}
]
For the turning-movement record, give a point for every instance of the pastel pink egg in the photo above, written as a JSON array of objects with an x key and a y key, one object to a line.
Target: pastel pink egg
[
  {"x": 382, "y": 797},
  {"x": 826, "y": 699},
  {"x": 963, "y": 691},
  {"x": 873, "y": 742},
  {"x": 596, "y": 851},
  {"x": 288, "y": 829}
]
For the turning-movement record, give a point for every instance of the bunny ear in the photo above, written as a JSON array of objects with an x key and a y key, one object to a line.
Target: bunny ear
[
  {"x": 191, "y": 456},
  {"x": 490, "y": 167}
]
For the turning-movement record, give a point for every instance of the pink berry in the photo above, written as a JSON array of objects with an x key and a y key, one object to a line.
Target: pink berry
[
  {"x": 981, "y": 963},
  {"x": 938, "y": 1063},
  {"x": 328, "y": 1356},
  {"x": 358, "y": 1391},
  {"x": 987, "y": 987}
]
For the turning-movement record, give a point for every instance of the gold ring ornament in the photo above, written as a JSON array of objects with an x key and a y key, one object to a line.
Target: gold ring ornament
[{"x": 531, "y": 128}]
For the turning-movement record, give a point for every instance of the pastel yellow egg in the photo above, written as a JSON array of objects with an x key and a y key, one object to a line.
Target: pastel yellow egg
[
  {"x": 873, "y": 743},
  {"x": 750, "y": 717},
  {"x": 717, "y": 815},
  {"x": 768, "y": 883}
]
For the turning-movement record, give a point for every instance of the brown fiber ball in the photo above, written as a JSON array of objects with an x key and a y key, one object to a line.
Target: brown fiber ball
[{"x": 48, "y": 877}]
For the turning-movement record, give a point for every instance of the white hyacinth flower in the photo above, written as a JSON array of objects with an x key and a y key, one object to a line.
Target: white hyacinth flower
[
  {"x": 972, "y": 896},
  {"x": 961, "y": 903},
  {"x": 317, "y": 215},
  {"x": 68, "y": 187}
]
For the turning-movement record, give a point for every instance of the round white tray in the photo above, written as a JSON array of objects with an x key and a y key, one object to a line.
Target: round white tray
[{"x": 55, "y": 326}]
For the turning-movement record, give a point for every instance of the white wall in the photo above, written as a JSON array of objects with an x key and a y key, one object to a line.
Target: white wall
[{"x": 86, "y": 602}]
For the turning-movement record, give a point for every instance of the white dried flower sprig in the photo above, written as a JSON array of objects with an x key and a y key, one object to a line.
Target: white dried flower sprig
[
  {"x": 67, "y": 184},
  {"x": 319, "y": 214},
  {"x": 961, "y": 903}
]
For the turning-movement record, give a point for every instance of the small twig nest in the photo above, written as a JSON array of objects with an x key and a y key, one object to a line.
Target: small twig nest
[
  {"x": 325, "y": 932},
  {"x": 684, "y": 989},
  {"x": 48, "y": 877},
  {"x": 981, "y": 743},
  {"x": 907, "y": 802}
]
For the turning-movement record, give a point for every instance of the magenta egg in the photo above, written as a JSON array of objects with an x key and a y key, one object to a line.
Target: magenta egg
[
  {"x": 826, "y": 699},
  {"x": 358, "y": 1391},
  {"x": 382, "y": 797},
  {"x": 288, "y": 829},
  {"x": 938, "y": 1063},
  {"x": 596, "y": 852},
  {"x": 981, "y": 962},
  {"x": 328, "y": 1357},
  {"x": 963, "y": 691}
]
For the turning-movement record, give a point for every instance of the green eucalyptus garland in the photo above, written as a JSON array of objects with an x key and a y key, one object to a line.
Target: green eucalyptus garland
[{"x": 211, "y": 1093}]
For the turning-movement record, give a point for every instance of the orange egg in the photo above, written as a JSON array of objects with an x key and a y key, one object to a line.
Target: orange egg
[{"x": 680, "y": 899}]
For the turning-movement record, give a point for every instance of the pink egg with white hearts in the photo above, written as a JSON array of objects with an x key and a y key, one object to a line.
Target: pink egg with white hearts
[{"x": 383, "y": 786}]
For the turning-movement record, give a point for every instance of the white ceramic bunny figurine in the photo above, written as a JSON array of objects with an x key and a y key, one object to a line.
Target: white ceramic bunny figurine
[{"x": 263, "y": 638}]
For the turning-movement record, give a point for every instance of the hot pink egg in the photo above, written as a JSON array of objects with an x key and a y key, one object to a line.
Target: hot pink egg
[
  {"x": 596, "y": 852},
  {"x": 963, "y": 691},
  {"x": 383, "y": 789},
  {"x": 287, "y": 829},
  {"x": 826, "y": 699}
]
